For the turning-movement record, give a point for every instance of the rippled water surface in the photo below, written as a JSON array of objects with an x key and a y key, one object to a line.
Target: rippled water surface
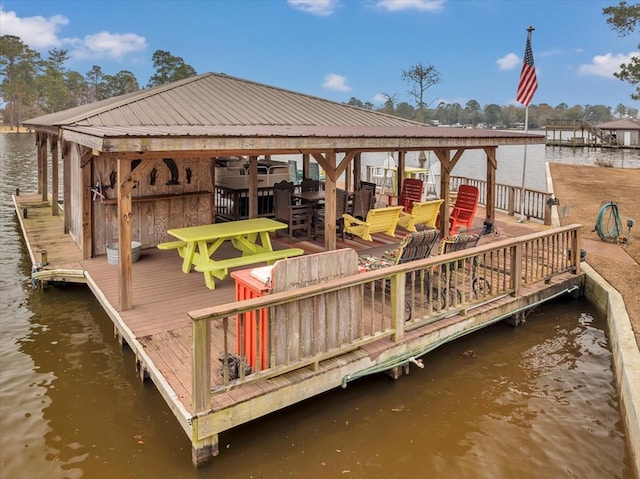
[{"x": 527, "y": 402}]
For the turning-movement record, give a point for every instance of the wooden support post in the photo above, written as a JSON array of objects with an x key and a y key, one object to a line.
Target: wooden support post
[
  {"x": 201, "y": 367},
  {"x": 125, "y": 287},
  {"x": 212, "y": 187},
  {"x": 398, "y": 284},
  {"x": 445, "y": 175},
  {"x": 39, "y": 137},
  {"x": 45, "y": 168},
  {"x": 330, "y": 242},
  {"x": 253, "y": 187},
  {"x": 492, "y": 166},
  {"x": 357, "y": 173},
  {"x": 205, "y": 450},
  {"x": 86, "y": 163},
  {"x": 516, "y": 269},
  {"x": 55, "y": 210},
  {"x": 66, "y": 186}
]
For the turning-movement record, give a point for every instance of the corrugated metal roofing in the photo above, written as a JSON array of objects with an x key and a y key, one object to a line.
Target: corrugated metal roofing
[
  {"x": 620, "y": 125},
  {"x": 216, "y": 100},
  {"x": 219, "y": 106}
]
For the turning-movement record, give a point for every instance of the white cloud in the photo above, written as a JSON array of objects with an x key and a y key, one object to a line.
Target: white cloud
[
  {"x": 335, "y": 82},
  {"x": 36, "y": 32},
  {"x": 41, "y": 34},
  {"x": 316, "y": 7},
  {"x": 380, "y": 98},
  {"x": 606, "y": 65},
  {"x": 508, "y": 62},
  {"x": 421, "y": 5},
  {"x": 112, "y": 45}
]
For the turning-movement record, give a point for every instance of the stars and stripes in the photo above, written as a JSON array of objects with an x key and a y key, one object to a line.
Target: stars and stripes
[{"x": 528, "y": 80}]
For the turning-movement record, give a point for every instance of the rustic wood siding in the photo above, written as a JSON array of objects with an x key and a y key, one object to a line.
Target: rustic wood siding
[{"x": 156, "y": 207}]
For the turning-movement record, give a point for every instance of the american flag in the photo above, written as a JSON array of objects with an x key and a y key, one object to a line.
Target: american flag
[{"x": 528, "y": 81}]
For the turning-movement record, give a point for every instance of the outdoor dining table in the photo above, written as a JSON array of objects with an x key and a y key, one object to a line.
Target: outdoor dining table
[
  {"x": 250, "y": 237},
  {"x": 314, "y": 198}
]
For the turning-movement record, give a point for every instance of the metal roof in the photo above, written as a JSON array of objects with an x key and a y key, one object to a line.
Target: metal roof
[{"x": 219, "y": 106}]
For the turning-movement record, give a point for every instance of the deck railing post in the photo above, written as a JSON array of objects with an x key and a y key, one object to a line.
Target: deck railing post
[
  {"x": 398, "y": 282},
  {"x": 201, "y": 367},
  {"x": 512, "y": 201},
  {"x": 576, "y": 253},
  {"x": 516, "y": 269}
]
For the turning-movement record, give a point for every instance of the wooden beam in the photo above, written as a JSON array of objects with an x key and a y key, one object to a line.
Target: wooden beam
[
  {"x": 66, "y": 184},
  {"x": 330, "y": 217},
  {"x": 357, "y": 172},
  {"x": 344, "y": 163},
  {"x": 400, "y": 170},
  {"x": 86, "y": 204},
  {"x": 45, "y": 168},
  {"x": 443, "y": 156},
  {"x": 39, "y": 137},
  {"x": 253, "y": 186},
  {"x": 125, "y": 277},
  {"x": 130, "y": 179},
  {"x": 55, "y": 190},
  {"x": 492, "y": 164}
]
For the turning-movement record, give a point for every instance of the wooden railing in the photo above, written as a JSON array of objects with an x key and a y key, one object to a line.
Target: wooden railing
[
  {"x": 537, "y": 204},
  {"x": 392, "y": 300},
  {"x": 233, "y": 204}
]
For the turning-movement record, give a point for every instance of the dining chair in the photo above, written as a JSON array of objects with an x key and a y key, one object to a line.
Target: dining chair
[
  {"x": 341, "y": 208},
  {"x": 361, "y": 203},
  {"x": 309, "y": 184},
  {"x": 298, "y": 217},
  {"x": 370, "y": 186}
]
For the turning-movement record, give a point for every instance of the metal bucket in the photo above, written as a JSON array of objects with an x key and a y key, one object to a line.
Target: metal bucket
[{"x": 112, "y": 252}]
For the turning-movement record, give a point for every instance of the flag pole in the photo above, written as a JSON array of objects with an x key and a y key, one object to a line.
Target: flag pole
[
  {"x": 526, "y": 88},
  {"x": 524, "y": 163}
]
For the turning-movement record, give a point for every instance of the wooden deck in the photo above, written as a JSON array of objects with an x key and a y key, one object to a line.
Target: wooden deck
[{"x": 160, "y": 331}]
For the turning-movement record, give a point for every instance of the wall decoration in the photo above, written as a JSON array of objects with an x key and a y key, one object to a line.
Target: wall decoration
[
  {"x": 174, "y": 171},
  {"x": 152, "y": 176}
]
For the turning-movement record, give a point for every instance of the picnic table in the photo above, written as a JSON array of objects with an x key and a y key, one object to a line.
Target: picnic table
[{"x": 196, "y": 246}]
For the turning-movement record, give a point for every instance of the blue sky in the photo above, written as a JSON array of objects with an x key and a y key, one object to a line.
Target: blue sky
[{"x": 338, "y": 49}]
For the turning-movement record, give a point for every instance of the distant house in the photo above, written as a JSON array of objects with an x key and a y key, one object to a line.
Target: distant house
[{"x": 626, "y": 132}]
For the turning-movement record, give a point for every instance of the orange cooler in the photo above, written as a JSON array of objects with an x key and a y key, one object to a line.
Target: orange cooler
[{"x": 248, "y": 287}]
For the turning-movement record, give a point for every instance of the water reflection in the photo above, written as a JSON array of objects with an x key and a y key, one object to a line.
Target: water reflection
[{"x": 532, "y": 401}]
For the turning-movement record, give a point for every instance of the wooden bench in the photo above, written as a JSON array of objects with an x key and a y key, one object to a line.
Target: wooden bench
[
  {"x": 172, "y": 245},
  {"x": 220, "y": 268},
  {"x": 379, "y": 220}
]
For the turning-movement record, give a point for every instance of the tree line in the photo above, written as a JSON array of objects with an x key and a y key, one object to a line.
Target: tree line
[{"x": 31, "y": 86}]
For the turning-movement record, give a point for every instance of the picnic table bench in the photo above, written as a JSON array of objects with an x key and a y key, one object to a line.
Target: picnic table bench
[{"x": 196, "y": 246}]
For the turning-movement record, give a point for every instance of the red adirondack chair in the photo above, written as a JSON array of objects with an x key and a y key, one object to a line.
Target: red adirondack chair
[
  {"x": 411, "y": 193},
  {"x": 464, "y": 209}
]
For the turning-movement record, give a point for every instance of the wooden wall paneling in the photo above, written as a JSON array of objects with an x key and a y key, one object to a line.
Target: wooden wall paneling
[
  {"x": 82, "y": 222},
  {"x": 161, "y": 222}
]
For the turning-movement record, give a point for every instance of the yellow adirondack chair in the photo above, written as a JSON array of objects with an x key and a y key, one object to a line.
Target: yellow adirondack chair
[
  {"x": 423, "y": 213},
  {"x": 378, "y": 220}
]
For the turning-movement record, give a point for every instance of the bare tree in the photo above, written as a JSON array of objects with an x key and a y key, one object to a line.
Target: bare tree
[{"x": 420, "y": 77}]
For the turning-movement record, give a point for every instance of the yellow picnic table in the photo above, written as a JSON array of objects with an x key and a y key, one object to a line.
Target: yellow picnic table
[{"x": 197, "y": 245}]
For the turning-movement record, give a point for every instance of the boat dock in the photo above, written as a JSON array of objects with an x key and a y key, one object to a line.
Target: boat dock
[{"x": 319, "y": 334}]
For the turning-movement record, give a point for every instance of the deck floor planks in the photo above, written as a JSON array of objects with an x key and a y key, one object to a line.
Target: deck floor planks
[{"x": 162, "y": 295}]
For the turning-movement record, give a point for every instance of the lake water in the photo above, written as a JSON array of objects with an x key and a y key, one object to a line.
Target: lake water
[{"x": 527, "y": 402}]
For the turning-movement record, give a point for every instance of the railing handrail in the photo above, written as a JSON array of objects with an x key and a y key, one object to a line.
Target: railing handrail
[
  {"x": 275, "y": 299},
  {"x": 514, "y": 248}
]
